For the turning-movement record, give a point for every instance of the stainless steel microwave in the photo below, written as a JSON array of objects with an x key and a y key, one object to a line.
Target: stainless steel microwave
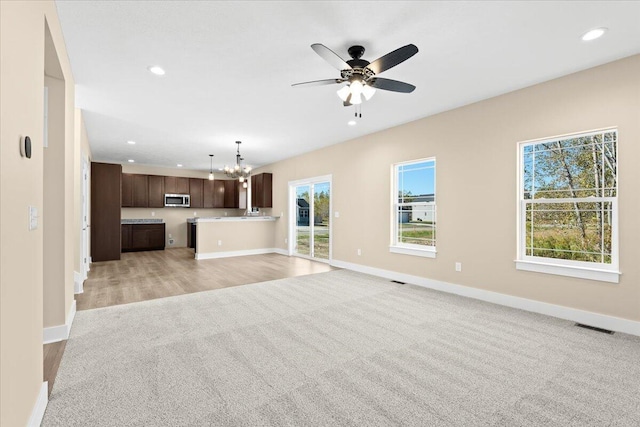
[{"x": 177, "y": 200}]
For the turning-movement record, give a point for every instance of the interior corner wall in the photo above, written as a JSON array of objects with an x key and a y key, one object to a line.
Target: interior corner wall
[
  {"x": 53, "y": 207},
  {"x": 22, "y": 50},
  {"x": 476, "y": 153}
]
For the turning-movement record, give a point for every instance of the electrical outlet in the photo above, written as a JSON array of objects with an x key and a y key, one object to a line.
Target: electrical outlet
[
  {"x": 458, "y": 266},
  {"x": 281, "y": 214},
  {"x": 153, "y": 213},
  {"x": 225, "y": 214},
  {"x": 286, "y": 240},
  {"x": 359, "y": 252},
  {"x": 219, "y": 242},
  {"x": 337, "y": 214},
  {"x": 195, "y": 213}
]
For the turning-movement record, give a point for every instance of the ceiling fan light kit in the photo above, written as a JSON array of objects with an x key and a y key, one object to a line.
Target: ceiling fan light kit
[{"x": 360, "y": 74}]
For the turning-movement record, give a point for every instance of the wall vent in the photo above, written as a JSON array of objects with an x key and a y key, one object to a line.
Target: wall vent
[{"x": 593, "y": 328}]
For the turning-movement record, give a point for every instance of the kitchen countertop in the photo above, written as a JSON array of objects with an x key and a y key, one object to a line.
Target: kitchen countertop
[
  {"x": 142, "y": 221},
  {"x": 231, "y": 218}
]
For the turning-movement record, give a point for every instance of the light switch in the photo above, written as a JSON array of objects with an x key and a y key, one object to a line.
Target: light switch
[
  {"x": 33, "y": 218},
  {"x": 337, "y": 214}
]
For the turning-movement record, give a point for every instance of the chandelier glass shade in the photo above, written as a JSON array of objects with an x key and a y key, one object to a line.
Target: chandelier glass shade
[
  {"x": 211, "y": 167},
  {"x": 237, "y": 170}
]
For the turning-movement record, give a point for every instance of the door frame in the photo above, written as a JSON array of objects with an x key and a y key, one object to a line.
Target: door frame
[{"x": 293, "y": 217}]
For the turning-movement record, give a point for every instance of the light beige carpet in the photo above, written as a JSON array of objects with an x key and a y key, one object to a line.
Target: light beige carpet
[{"x": 339, "y": 349}]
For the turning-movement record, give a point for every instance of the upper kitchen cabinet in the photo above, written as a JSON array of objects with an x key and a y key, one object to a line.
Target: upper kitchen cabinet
[
  {"x": 231, "y": 194},
  {"x": 127, "y": 190},
  {"x": 135, "y": 191},
  {"x": 261, "y": 190},
  {"x": 196, "y": 192},
  {"x": 176, "y": 185},
  {"x": 140, "y": 191},
  {"x": 156, "y": 191},
  {"x": 213, "y": 194}
]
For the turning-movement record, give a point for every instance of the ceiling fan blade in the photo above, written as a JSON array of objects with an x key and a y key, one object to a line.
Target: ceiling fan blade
[
  {"x": 392, "y": 85},
  {"x": 392, "y": 59},
  {"x": 330, "y": 56},
  {"x": 319, "y": 82}
]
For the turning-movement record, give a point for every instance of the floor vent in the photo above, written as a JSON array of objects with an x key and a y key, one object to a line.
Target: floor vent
[
  {"x": 593, "y": 328},
  {"x": 398, "y": 282}
]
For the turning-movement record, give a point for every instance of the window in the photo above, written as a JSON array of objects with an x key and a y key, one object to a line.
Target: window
[
  {"x": 414, "y": 206},
  {"x": 568, "y": 213}
]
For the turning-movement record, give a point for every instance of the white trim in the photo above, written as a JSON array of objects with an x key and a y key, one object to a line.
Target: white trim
[
  {"x": 581, "y": 316},
  {"x": 569, "y": 270},
  {"x": 78, "y": 283},
  {"x": 280, "y": 251},
  {"x": 426, "y": 253},
  {"x": 37, "y": 413},
  {"x": 61, "y": 332},
  {"x": 213, "y": 255}
]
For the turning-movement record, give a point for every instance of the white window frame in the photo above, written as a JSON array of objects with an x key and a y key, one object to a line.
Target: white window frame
[
  {"x": 580, "y": 269},
  {"x": 408, "y": 248}
]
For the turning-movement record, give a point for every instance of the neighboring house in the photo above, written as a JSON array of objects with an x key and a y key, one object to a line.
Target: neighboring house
[
  {"x": 421, "y": 213},
  {"x": 302, "y": 212}
]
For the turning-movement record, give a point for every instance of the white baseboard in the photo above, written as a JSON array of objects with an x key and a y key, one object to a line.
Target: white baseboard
[
  {"x": 581, "y": 316},
  {"x": 213, "y": 255},
  {"x": 60, "y": 332},
  {"x": 78, "y": 283},
  {"x": 37, "y": 413},
  {"x": 281, "y": 251}
]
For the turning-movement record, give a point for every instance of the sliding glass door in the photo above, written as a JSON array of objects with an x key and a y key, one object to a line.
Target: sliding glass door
[{"x": 311, "y": 207}]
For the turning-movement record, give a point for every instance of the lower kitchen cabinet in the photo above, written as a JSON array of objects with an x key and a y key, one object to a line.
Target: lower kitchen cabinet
[{"x": 142, "y": 237}]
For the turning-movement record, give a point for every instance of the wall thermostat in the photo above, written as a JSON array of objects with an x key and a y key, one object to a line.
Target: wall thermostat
[{"x": 25, "y": 147}]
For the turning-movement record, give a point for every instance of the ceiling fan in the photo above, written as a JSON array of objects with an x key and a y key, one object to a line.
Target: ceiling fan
[{"x": 361, "y": 75}]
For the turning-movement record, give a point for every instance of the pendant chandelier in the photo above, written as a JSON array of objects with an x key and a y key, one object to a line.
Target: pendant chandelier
[
  {"x": 237, "y": 171},
  {"x": 211, "y": 167}
]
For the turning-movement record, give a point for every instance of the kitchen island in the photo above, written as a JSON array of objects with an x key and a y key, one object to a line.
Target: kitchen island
[{"x": 220, "y": 237}]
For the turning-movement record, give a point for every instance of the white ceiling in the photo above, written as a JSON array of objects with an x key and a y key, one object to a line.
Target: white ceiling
[{"x": 230, "y": 65}]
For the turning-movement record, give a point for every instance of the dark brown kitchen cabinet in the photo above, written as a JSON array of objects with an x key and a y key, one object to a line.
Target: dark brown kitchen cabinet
[
  {"x": 176, "y": 185},
  {"x": 231, "y": 193},
  {"x": 261, "y": 190},
  {"x": 125, "y": 237},
  {"x": 127, "y": 190},
  {"x": 218, "y": 194},
  {"x": 105, "y": 211},
  {"x": 142, "y": 237},
  {"x": 140, "y": 191},
  {"x": 213, "y": 194},
  {"x": 156, "y": 191},
  {"x": 195, "y": 190}
]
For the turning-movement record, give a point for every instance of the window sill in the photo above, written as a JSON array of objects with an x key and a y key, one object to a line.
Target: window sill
[
  {"x": 611, "y": 276},
  {"x": 426, "y": 253}
]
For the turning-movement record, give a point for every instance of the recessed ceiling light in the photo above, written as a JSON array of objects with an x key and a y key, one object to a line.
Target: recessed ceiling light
[
  {"x": 158, "y": 71},
  {"x": 351, "y": 122},
  {"x": 131, "y": 161},
  {"x": 131, "y": 142},
  {"x": 593, "y": 34},
  {"x": 179, "y": 165}
]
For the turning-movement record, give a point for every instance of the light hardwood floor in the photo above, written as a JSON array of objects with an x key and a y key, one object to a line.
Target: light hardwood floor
[{"x": 141, "y": 276}]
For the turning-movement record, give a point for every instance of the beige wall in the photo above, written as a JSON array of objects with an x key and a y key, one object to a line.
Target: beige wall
[
  {"x": 22, "y": 46},
  {"x": 476, "y": 153},
  {"x": 174, "y": 218},
  {"x": 234, "y": 235},
  {"x": 53, "y": 207}
]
